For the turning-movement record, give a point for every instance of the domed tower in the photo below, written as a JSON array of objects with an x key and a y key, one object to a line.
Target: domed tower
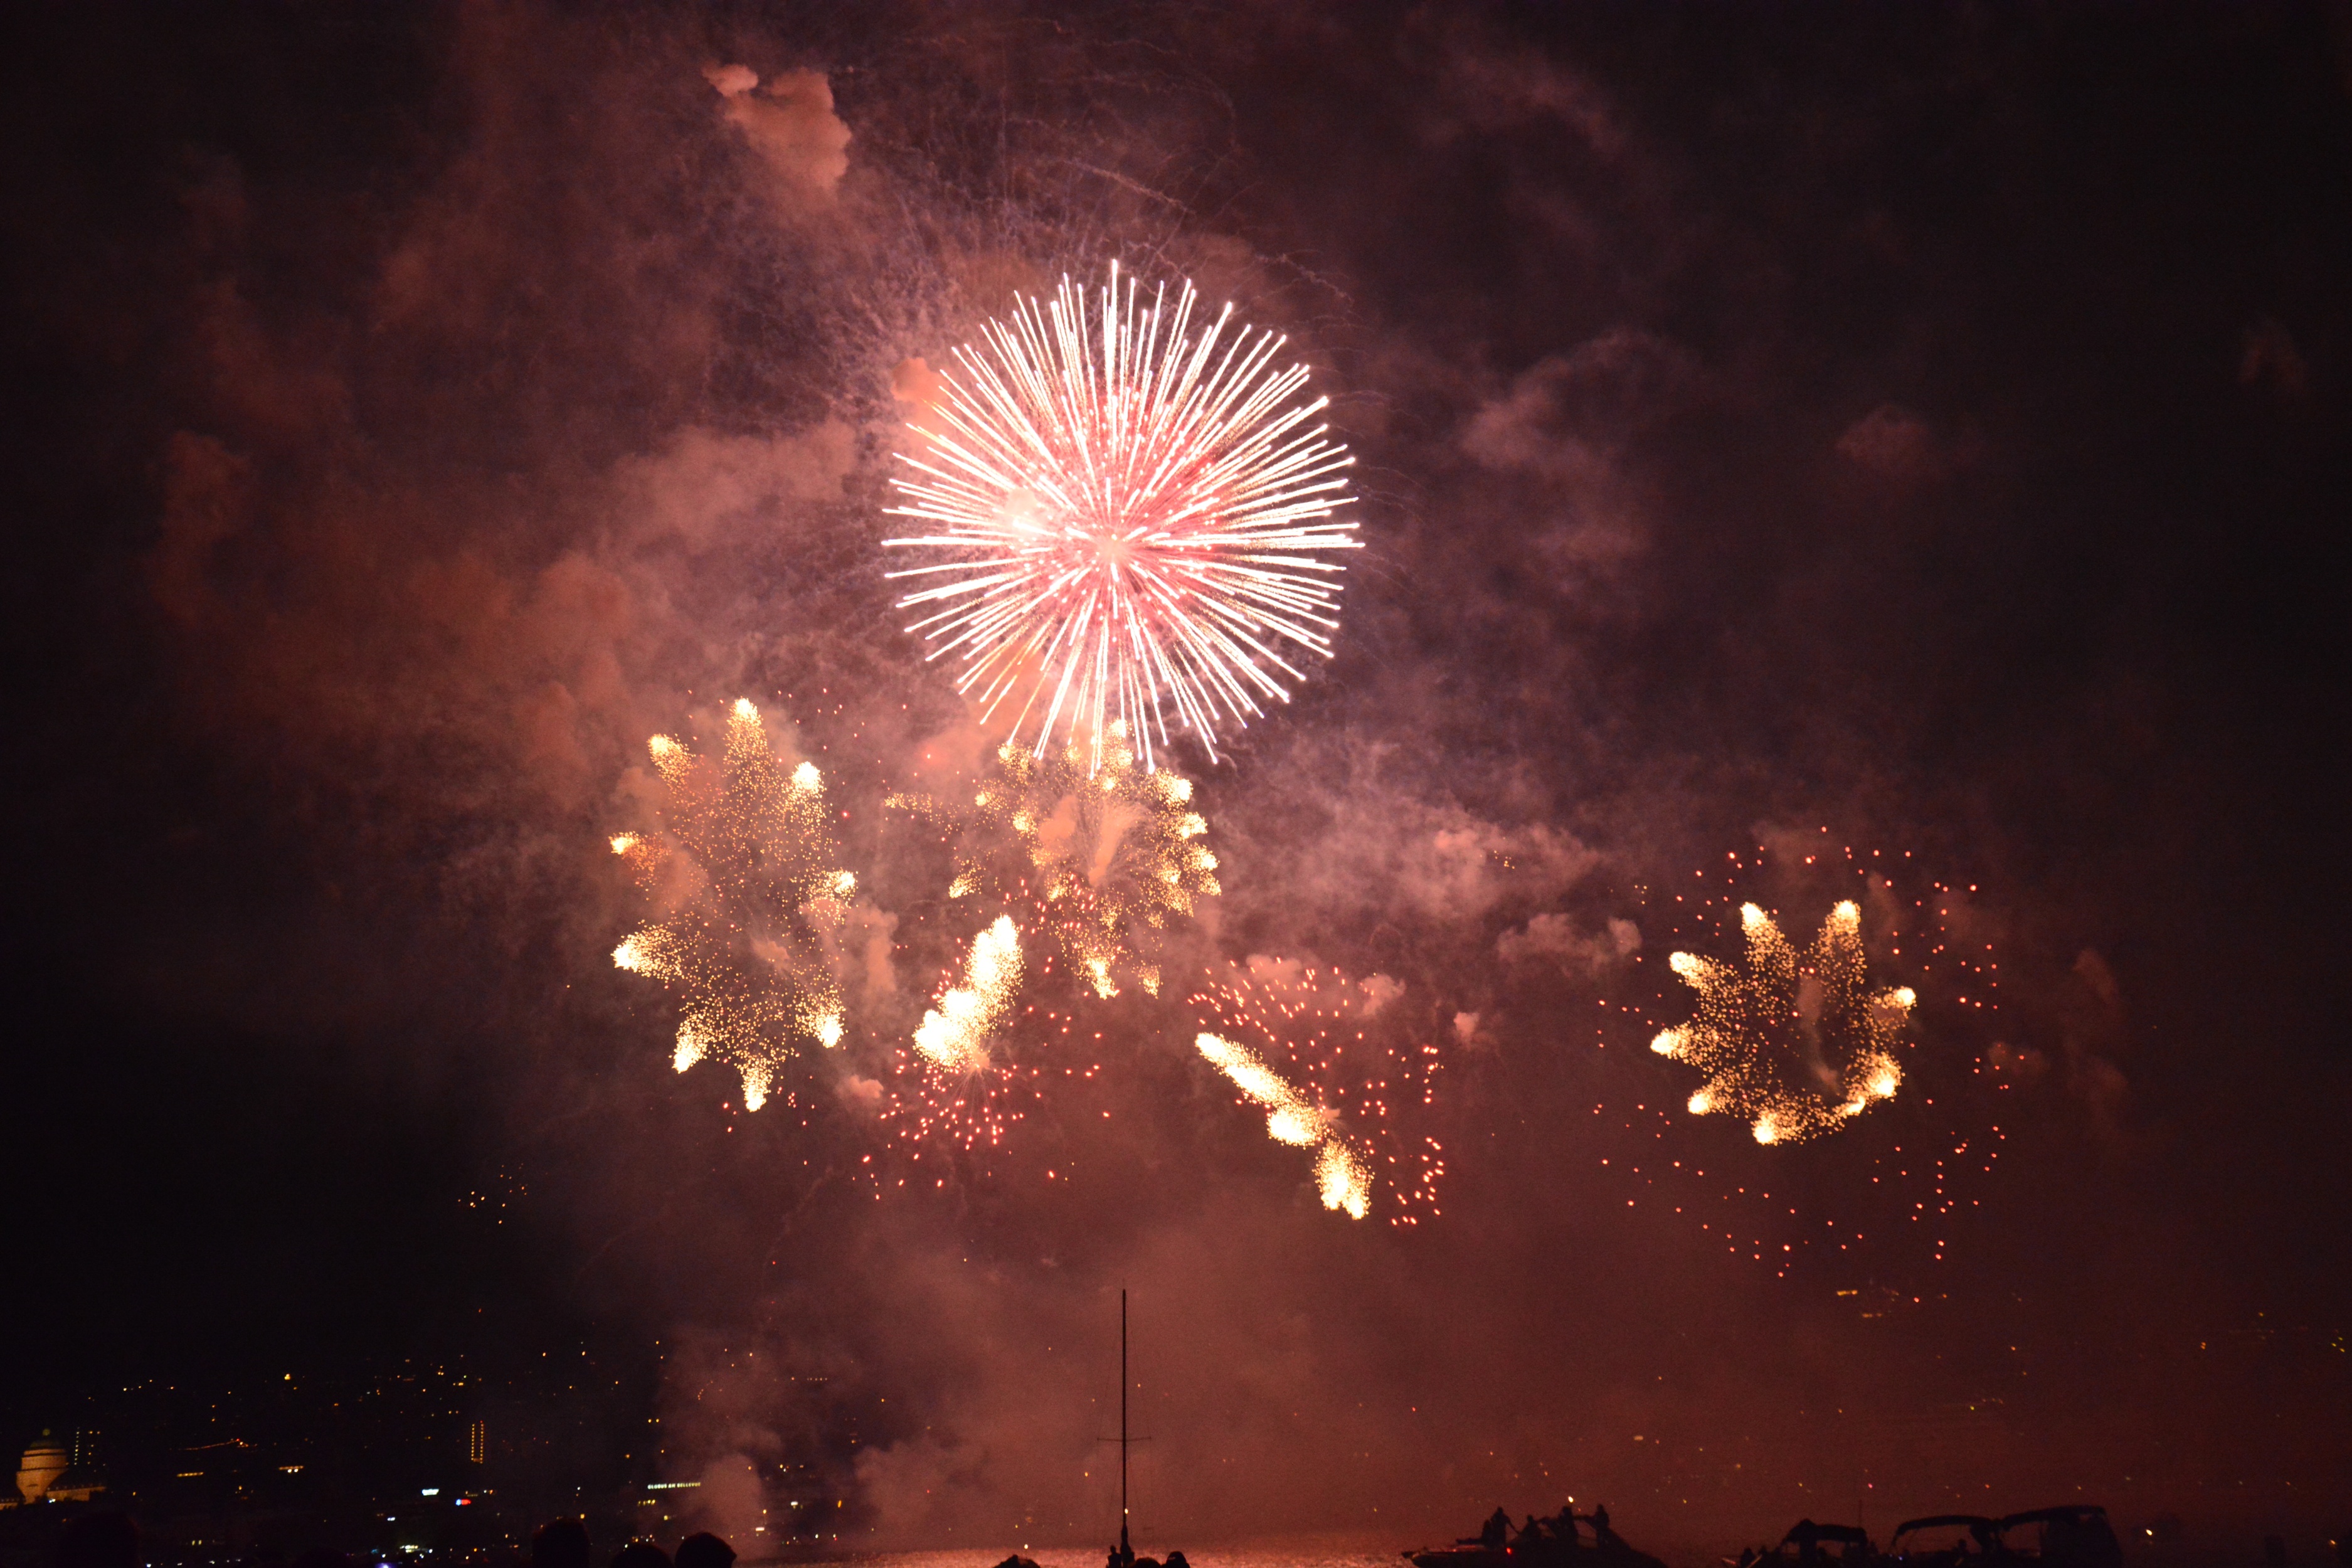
[{"x": 43, "y": 1463}]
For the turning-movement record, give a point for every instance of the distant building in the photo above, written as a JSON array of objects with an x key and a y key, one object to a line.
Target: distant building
[
  {"x": 477, "y": 1442},
  {"x": 50, "y": 1471}
]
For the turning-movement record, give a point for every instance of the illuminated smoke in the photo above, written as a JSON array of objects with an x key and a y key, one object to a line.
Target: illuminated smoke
[
  {"x": 1794, "y": 1046},
  {"x": 1135, "y": 521},
  {"x": 1102, "y": 859},
  {"x": 742, "y": 872},
  {"x": 954, "y": 1034}
]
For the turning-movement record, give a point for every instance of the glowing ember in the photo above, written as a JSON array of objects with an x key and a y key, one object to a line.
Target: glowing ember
[
  {"x": 743, "y": 879},
  {"x": 1136, "y": 520}
]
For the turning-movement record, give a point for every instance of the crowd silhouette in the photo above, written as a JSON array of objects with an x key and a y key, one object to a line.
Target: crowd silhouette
[{"x": 1545, "y": 1533}]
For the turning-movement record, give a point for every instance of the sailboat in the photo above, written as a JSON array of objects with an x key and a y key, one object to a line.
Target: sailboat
[{"x": 1123, "y": 1555}]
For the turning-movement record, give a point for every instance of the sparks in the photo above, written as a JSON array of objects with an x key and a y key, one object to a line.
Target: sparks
[
  {"x": 1778, "y": 1035},
  {"x": 1135, "y": 520},
  {"x": 742, "y": 873},
  {"x": 1337, "y": 1070},
  {"x": 1892, "y": 1187},
  {"x": 954, "y": 1034},
  {"x": 1103, "y": 861}
]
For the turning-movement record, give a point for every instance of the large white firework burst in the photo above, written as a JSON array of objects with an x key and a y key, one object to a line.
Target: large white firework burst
[{"x": 1136, "y": 520}]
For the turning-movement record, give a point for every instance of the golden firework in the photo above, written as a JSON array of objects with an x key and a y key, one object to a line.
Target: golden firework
[
  {"x": 1337, "y": 1070},
  {"x": 953, "y": 1035},
  {"x": 1793, "y": 1044},
  {"x": 1340, "y": 1177},
  {"x": 1103, "y": 858},
  {"x": 743, "y": 876}
]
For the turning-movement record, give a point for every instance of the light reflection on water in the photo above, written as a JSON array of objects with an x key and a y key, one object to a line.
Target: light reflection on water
[{"x": 1285, "y": 1552}]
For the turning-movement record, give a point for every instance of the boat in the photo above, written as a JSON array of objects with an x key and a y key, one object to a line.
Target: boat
[
  {"x": 2073, "y": 1535},
  {"x": 1945, "y": 1539},
  {"x": 1806, "y": 1546},
  {"x": 1123, "y": 1556},
  {"x": 1566, "y": 1539}
]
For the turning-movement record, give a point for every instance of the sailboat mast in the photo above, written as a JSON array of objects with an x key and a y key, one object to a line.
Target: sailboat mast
[{"x": 1122, "y": 1416}]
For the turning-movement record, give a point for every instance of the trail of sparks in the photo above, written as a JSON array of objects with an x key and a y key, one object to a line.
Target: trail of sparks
[
  {"x": 1340, "y": 1178},
  {"x": 1300, "y": 1044},
  {"x": 743, "y": 870},
  {"x": 1101, "y": 860},
  {"x": 1136, "y": 520},
  {"x": 974, "y": 1108},
  {"x": 954, "y": 1034}
]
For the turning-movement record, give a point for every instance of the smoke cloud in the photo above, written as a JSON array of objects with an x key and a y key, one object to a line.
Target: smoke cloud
[{"x": 554, "y": 408}]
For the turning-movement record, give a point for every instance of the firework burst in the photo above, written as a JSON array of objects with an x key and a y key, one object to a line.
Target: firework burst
[
  {"x": 743, "y": 871},
  {"x": 1794, "y": 1046},
  {"x": 1103, "y": 861},
  {"x": 1895, "y": 1188},
  {"x": 1303, "y": 1046},
  {"x": 1135, "y": 520},
  {"x": 1039, "y": 1061}
]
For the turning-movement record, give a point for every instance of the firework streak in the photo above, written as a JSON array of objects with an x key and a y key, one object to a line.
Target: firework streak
[
  {"x": 954, "y": 1034},
  {"x": 1135, "y": 520},
  {"x": 1299, "y": 1044},
  {"x": 744, "y": 864}
]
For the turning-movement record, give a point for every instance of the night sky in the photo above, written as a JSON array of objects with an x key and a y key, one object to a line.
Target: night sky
[{"x": 1919, "y": 430}]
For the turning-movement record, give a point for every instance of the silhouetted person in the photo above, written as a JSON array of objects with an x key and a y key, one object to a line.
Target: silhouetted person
[
  {"x": 1497, "y": 1529},
  {"x": 1176, "y": 1559},
  {"x": 1602, "y": 1534},
  {"x": 640, "y": 1554},
  {"x": 702, "y": 1550},
  {"x": 1530, "y": 1535},
  {"x": 560, "y": 1543},
  {"x": 1747, "y": 1557},
  {"x": 99, "y": 1541}
]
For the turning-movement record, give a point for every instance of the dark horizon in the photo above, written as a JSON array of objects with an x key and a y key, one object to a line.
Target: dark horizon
[{"x": 1917, "y": 432}]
